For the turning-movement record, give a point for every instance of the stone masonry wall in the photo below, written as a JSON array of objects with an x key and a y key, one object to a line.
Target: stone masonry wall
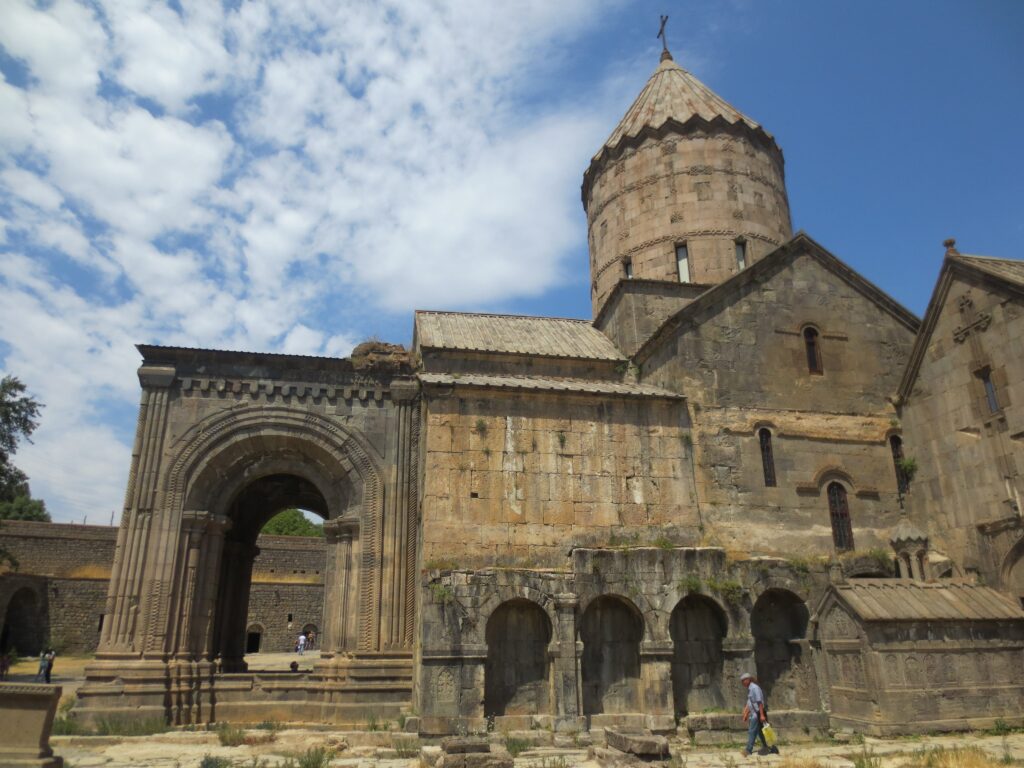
[
  {"x": 947, "y": 423},
  {"x": 700, "y": 189},
  {"x": 519, "y": 479},
  {"x": 75, "y": 561}
]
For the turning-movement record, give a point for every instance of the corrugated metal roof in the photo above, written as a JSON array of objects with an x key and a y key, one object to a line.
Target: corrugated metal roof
[
  {"x": 673, "y": 93},
  {"x": 514, "y": 334},
  {"x": 1010, "y": 270},
  {"x": 905, "y": 600},
  {"x": 544, "y": 384}
]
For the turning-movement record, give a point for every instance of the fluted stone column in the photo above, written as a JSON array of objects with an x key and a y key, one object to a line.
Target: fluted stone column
[
  {"x": 234, "y": 603},
  {"x": 127, "y": 589},
  {"x": 340, "y": 588}
]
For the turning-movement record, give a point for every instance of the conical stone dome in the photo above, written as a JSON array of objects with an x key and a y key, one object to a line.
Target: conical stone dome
[{"x": 686, "y": 189}]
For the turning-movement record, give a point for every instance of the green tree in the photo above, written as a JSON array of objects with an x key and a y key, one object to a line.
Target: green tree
[
  {"x": 291, "y": 522},
  {"x": 19, "y": 417}
]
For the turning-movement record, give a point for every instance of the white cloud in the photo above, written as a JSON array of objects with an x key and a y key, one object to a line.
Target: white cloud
[{"x": 217, "y": 176}]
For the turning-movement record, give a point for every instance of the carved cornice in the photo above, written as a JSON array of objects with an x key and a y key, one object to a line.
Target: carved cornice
[
  {"x": 255, "y": 389},
  {"x": 156, "y": 375}
]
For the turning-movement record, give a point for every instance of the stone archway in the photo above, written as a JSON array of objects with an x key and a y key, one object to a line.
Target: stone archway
[
  {"x": 697, "y": 626},
  {"x": 778, "y": 623},
  {"x": 1013, "y": 572},
  {"x": 517, "y": 674},
  {"x": 611, "y": 630},
  {"x": 24, "y": 625}
]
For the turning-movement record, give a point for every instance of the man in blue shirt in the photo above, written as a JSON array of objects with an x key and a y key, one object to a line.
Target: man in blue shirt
[{"x": 754, "y": 714}]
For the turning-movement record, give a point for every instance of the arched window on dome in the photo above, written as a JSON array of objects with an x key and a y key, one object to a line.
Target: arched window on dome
[
  {"x": 683, "y": 262},
  {"x": 764, "y": 437},
  {"x": 813, "y": 347},
  {"x": 839, "y": 513},
  {"x": 741, "y": 253}
]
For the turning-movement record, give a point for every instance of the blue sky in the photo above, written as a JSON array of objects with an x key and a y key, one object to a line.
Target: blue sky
[{"x": 298, "y": 176}]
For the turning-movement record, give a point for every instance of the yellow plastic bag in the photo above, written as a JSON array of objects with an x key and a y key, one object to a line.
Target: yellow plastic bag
[{"x": 770, "y": 737}]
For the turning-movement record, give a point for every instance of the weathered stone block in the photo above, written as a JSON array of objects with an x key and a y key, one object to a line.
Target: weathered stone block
[
  {"x": 457, "y": 745},
  {"x": 645, "y": 745},
  {"x": 26, "y": 717}
]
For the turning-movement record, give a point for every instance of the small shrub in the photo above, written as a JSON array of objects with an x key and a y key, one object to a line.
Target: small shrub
[
  {"x": 561, "y": 439},
  {"x": 691, "y": 584},
  {"x": 371, "y": 723},
  {"x": 907, "y": 467},
  {"x": 315, "y": 757},
  {"x": 664, "y": 542},
  {"x": 866, "y": 759},
  {"x": 730, "y": 590},
  {"x": 440, "y": 564},
  {"x": 209, "y": 761},
  {"x": 800, "y": 565},
  {"x": 442, "y": 595},
  {"x": 405, "y": 748},
  {"x": 402, "y": 717},
  {"x": 269, "y": 725},
  {"x": 230, "y": 735},
  {"x": 1001, "y": 728},
  {"x": 480, "y": 427},
  {"x": 516, "y": 746}
]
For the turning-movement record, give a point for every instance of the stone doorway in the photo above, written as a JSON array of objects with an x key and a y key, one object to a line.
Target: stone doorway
[
  {"x": 611, "y": 631},
  {"x": 779, "y": 626},
  {"x": 698, "y": 626},
  {"x": 517, "y": 674},
  {"x": 23, "y": 627},
  {"x": 252, "y": 508}
]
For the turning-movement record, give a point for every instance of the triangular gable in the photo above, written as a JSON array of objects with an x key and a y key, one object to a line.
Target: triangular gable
[
  {"x": 800, "y": 245},
  {"x": 1001, "y": 274}
]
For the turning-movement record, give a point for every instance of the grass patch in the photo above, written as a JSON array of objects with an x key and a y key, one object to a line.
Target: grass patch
[
  {"x": 209, "y": 761},
  {"x": 405, "y": 748},
  {"x": 957, "y": 757},
  {"x": 230, "y": 735},
  {"x": 691, "y": 584},
  {"x": 315, "y": 757},
  {"x": 125, "y": 726},
  {"x": 516, "y": 746},
  {"x": 730, "y": 590},
  {"x": 866, "y": 759},
  {"x": 664, "y": 542},
  {"x": 65, "y": 726}
]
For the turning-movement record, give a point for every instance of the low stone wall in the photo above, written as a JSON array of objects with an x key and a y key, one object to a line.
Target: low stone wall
[{"x": 67, "y": 568}]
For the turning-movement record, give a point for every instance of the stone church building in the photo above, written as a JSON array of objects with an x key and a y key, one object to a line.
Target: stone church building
[{"x": 750, "y": 458}]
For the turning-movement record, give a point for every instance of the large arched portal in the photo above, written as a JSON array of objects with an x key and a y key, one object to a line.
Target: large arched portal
[
  {"x": 611, "y": 631},
  {"x": 516, "y": 679},
  {"x": 252, "y": 507},
  {"x": 779, "y": 625},
  {"x": 698, "y": 627},
  {"x": 23, "y": 626}
]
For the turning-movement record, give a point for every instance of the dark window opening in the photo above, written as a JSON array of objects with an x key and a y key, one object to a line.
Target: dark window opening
[
  {"x": 990, "y": 390},
  {"x": 813, "y": 351},
  {"x": 99, "y": 627},
  {"x": 902, "y": 481},
  {"x": 252, "y": 642},
  {"x": 741, "y": 253},
  {"x": 839, "y": 512},
  {"x": 627, "y": 267},
  {"x": 767, "y": 460},
  {"x": 289, "y": 618}
]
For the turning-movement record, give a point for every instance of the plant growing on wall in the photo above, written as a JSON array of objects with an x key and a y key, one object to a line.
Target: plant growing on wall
[{"x": 907, "y": 467}]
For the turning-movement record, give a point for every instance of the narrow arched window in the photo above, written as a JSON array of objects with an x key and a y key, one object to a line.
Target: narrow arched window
[
  {"x": 813, "y": 347},
  {"x": 839, "y": 511},
  {"x": 902, "y": 481},
  {"x": 767, "y": 460}
]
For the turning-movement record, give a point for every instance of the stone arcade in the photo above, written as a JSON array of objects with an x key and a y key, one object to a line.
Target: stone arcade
[{"x": 544, "y": 522}]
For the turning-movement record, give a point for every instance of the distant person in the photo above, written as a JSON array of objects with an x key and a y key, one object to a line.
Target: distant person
[
  {"x": 43, "y": 663},
  {"x": 51, "y": 656},
  {"x": 5, "y": 665},
  {"x": 311, "y": 639},
  {"x": 300, "y": 646}
]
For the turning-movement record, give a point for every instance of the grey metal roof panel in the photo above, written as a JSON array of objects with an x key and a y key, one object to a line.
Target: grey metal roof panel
[
  {"x": 905, "y": 600},
  {"x": 514, "y": 334},
  {"x": 549, "y": 384}
]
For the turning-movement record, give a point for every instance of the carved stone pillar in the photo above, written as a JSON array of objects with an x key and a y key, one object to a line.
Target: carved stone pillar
[
  {"x": 340, "y": 588},
  {"x": 126, "y": 590},
  {"x": 566, "y": 663},
  {"x": 193, "y": 530}
]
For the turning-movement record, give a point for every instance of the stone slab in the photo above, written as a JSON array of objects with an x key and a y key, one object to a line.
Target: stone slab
[
  {"x": 460, "y": 745},
  {"x": 646, "y": 745},
  {"x": 26, "y": 717}
]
